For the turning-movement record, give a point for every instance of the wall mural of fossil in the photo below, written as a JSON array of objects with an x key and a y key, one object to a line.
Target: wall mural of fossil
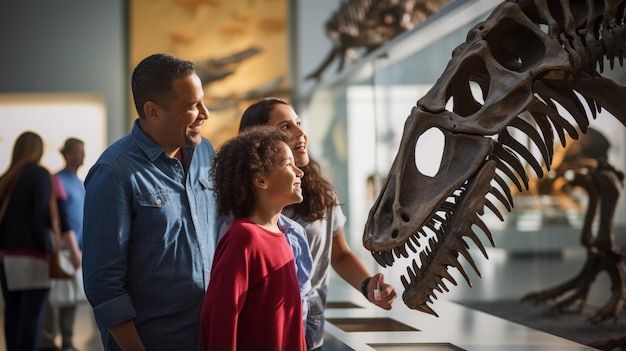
[{"x": 241, "y": 48}]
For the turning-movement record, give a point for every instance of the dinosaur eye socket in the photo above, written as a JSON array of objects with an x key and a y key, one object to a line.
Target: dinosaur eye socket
[{"x": 429, "y": 151}]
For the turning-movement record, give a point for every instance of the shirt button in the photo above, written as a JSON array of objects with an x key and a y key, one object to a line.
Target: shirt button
[{"x": 158, "y": 202}]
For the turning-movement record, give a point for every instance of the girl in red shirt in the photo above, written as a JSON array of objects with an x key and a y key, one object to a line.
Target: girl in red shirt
[{"x": 253, "y": 298}]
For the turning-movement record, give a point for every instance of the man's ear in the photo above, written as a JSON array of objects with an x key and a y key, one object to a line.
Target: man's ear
[
  {"x": 259, "y": 182},
  {"x": 152, "y": 111}
]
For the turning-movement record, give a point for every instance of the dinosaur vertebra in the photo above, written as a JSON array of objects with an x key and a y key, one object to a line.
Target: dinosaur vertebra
[{"x": 523, "y": 73}]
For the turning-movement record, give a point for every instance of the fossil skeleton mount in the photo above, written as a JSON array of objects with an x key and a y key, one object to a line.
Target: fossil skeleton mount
[
  {"x": 368, "y": 24},
  {"x": 585, "y": 166},
  {"x": 528, "y": 58}
]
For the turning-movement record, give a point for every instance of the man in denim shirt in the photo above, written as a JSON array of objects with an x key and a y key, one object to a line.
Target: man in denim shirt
[{"x": 150, "y": 226}]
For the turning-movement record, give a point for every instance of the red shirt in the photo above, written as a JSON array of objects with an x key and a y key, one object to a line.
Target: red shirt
[{"x": 253, "y": 298}]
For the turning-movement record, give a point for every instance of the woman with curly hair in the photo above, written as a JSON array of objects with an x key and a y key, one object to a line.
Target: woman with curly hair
[
  {"x": 253, "y": 298},
  {"x": 321, "y": 216}
]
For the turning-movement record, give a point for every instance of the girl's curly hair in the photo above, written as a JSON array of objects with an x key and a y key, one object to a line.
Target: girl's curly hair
[
  {"x": 318, "y": 193},
  {"x": 238, "y": 161}
]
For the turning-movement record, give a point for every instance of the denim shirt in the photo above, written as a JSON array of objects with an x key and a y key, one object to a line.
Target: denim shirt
[
  {"x": 149, "y": 237},
  {"x": 296, "y": 237}
]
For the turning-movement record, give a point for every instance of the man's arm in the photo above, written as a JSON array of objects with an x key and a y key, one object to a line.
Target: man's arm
[{"x": 126, "y": 336}]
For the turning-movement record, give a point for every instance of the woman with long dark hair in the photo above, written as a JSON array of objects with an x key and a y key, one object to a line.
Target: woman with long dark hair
[{"x": 25, "y": 242}]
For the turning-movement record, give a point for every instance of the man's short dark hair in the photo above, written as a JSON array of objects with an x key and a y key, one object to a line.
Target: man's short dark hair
[
  {"x": 69, "y": 142},
  {"x": 153, "y": 77}
]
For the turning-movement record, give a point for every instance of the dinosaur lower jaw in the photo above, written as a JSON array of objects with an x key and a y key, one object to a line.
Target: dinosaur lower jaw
[{"x": 448, "y": 241}]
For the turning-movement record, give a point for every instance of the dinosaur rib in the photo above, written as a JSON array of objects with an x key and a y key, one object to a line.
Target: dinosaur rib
[
  {"x": 496, "y": 192},
  {"x": 559, "y": 122},
  {"x": 506, "y": 139},
  {"x": 509, "y": 173},
  {"x": 567, "y": 99},
  {"x": 533, "y": 134},
  {"x": 505, "y": 188},
  {"x": 511, "y": 159}
]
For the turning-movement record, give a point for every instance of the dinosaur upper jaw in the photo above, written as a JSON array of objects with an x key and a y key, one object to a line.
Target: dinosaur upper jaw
[
  {"x": 397, "y": 215},
  {"x": 457, "y": 193}
]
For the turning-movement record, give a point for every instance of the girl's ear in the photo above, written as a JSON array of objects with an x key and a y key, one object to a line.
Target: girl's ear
[{"x": 259, "y": 182}]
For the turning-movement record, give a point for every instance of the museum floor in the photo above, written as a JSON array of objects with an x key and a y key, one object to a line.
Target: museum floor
[{"x": 503, "y": 277}]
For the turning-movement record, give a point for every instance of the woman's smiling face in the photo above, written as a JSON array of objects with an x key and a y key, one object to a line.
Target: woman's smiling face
[{"x": 284, "y": 117}]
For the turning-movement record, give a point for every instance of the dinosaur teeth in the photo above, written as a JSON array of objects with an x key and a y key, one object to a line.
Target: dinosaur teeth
[
  {"x": 415, "y": 239},
  {"x": 423, "y": 259},
  {"x": 426, "y": 309},
  {"x": 416, "y": 269},
  {"x": 411, "y": 274},
  {"x": 400, "y": 251},
  {"x": 449, "y": 277},
  {"x": 405, "y": 284},
  {"x": 444, "y": 286},
  {"x": 379, "y": 258},
  {"x": 448, "y": 206},
  {"x": 409, "y": 243},
  {"x": 458, "y": 266},
  {"x": 388, "y": 257},
  {"x": 423, "y": 233},
  {"x": 431, "y": 225}
]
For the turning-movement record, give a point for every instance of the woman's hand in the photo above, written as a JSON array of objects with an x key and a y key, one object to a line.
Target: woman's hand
[{"x": 380, "y": 293}]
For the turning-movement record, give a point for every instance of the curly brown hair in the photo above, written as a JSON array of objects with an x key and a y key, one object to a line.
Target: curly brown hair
[
  {"x": 236, "y": 164},
  {"x": 318, "y": 193}
]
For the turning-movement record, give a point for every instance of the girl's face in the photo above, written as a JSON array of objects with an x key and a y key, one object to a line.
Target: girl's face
[
  {"x": 283, "y": 182},
  {"x": 284, "y": 117}
]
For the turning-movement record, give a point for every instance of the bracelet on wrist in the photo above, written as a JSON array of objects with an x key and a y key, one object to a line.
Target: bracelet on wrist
[{"x": 364, "y": 287}]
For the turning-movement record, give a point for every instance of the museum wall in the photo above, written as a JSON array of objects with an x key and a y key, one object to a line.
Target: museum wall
[
  {"x": 67, "y": 46},
  {"x": 72, "y": 46},
  {"x": 59, "y": 56}
]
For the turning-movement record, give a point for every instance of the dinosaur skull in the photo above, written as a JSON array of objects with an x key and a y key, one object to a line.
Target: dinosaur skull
[{"x": 504, "y": 56}]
